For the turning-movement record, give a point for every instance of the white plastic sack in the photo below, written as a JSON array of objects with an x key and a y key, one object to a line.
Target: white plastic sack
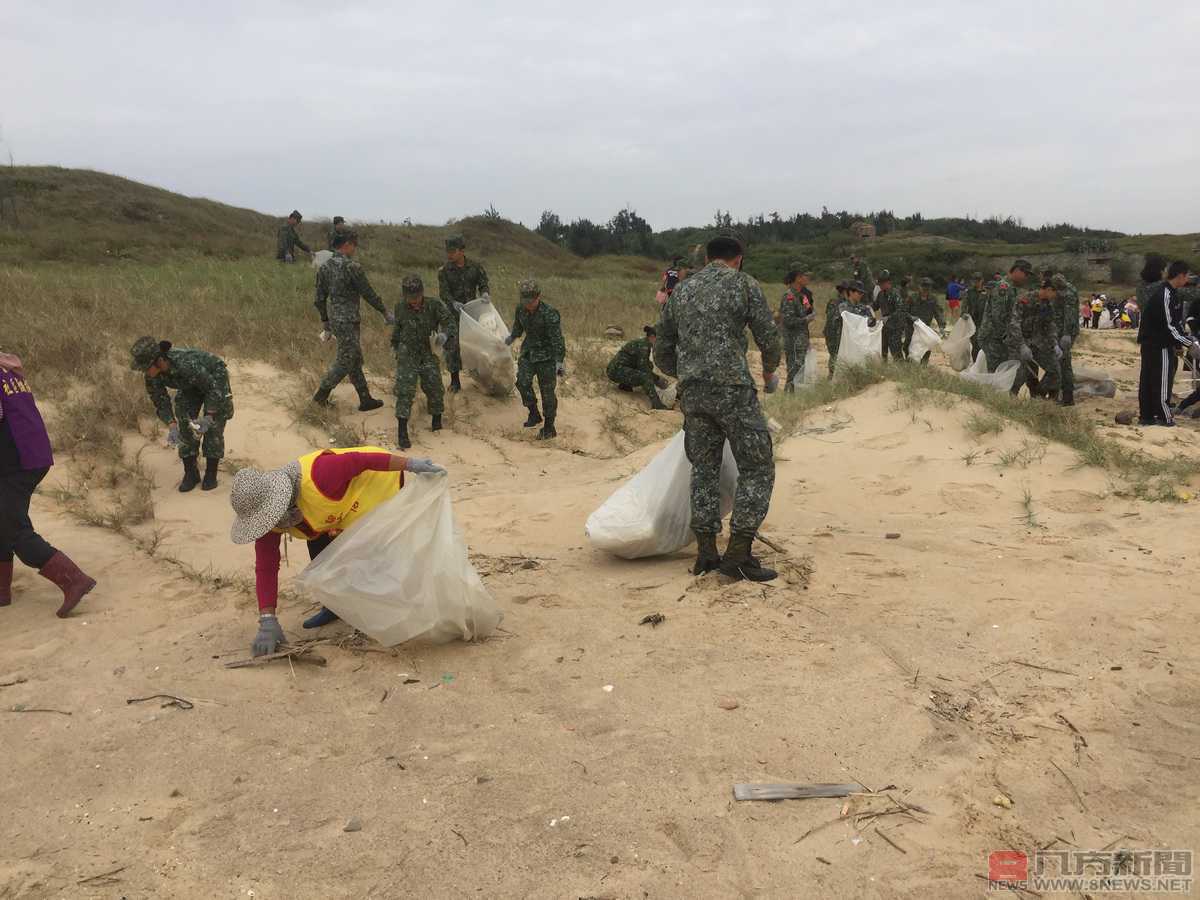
[
  {"x": 402, "y": 572},
  {"x": 1091, "y": 382},
  {"x": 957, "y": 347},
  {"x": 481, "y": 334},
  {"x": 924, "y": 339},
  {"x": 321, "y": 257},
  {"x": 1001, "y": 380},
  {"x": 860, "y": 342},
  {"x": 808, "y": 375},
  {"x": 1106, "y": 319},
  {"x": 669, "y": 395},
  {"x": 651, "y": 514}
]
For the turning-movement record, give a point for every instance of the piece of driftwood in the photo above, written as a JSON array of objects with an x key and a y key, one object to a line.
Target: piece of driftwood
[
  {"x": 302, "y": 653},
  {"x": 793, "y": 791}
]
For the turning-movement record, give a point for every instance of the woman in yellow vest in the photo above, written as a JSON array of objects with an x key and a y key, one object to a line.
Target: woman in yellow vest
[{"x": 314, "y": 499}]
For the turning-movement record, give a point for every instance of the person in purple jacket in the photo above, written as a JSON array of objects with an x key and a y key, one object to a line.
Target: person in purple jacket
[{"x": 25, "y": 458}]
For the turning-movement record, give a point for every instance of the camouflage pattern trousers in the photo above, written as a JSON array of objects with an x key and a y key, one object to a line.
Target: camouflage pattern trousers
[
  {"x": 453, "y": 354},
  {"x": 892, "y": 338},
  {"x": 632, "y": 377},
  {"x": 188, "y": 407},
  {"x": 349, "y": 360},
  {"x": 712, "y": 415},
  {"x": 547, "y": 376},
  {"x": 795, "y": 346},
  {"x": 1067, "y": 371},
  {"x": 429, "y": 375}
]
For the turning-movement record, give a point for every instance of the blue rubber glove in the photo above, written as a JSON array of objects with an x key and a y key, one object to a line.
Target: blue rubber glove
[
  {"x": 269, "y": 636},
  {"x": 173, "y": 435},
  {"x": 1065, "y": 342},
  {"x": 1026, "y": 353},
  {"x": 423, "y": 467},
  {"x": 202, "y": 424},
  {"x": 771, "y": 383}
]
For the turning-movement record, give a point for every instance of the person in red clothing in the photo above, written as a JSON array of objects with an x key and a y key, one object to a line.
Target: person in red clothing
[{"x": 314, "y": 499}]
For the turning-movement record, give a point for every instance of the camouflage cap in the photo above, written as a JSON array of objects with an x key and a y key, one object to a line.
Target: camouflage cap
[
  {"x": 856, "y": 285},
  {"x": 529, "y": 288},
  {"x": 884, "y": 275},
  {"x": 456, "y": 242},
  {"x": 1024, "y": 265},
  {"x": 145, "y": 351},
  {"x": 1059, "y": 281},
  {"x": 926, "y": 281},
  {"x": 412, "y": 286},
  {"x": 295, "y": 214}
]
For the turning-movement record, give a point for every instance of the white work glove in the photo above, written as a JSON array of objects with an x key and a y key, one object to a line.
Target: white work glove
[
  {"x": 269, "y": 636},
  {"x": 390, "y": 318},
  {"x": 1065, "y": 342},
  {"x": 486, "y": 298},
  {"x": 173, "y": 435},
  {"x": 1058, "y": 352},
  {"x": 458, "y": 307},
  {"x": 770, "y": 383},
  {"x": 1026, "y": 353},
  {"x": 423, "y": 467},
  {"x": 440, "y": 339},
  {"x": 202, "y": 424},
  {"x": 326, "y": 335}
]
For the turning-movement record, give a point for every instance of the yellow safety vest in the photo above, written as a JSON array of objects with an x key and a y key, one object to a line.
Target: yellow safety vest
[{"x": 325, "y": 515}]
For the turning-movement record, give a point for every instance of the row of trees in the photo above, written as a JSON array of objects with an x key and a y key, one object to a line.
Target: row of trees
[{"x": 629, "y": 233}]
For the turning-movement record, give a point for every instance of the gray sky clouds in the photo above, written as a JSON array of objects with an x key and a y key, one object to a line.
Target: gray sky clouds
[{"x": 1051, "y": 111}]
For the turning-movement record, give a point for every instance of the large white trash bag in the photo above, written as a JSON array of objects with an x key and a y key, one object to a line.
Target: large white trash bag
[
  {"x": 651, "y": 514},
  {"x": 923, "y": 340},
  {"x": 481, "y": 334},
  {"x": 957, "y": 346},
  {"x": 401, "y": 572},
  {"x": 1002, "y": 379},
  {"x": 1091, "y": 382},
  {"x": 807, "y": 376},
  {"x": 861, "y": 342},
  {"x": 321, "y": 257}
]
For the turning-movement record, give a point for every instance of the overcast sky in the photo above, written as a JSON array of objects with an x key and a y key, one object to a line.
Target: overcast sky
[{"x": 1050, "y": 111}]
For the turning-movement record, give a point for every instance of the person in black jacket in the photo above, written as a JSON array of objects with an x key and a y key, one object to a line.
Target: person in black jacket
[{"x": 1160, "y": 335}]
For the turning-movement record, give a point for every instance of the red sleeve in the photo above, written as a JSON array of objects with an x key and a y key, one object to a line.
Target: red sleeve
[
  {"x": 266, "y": 569},
  {"x": 333, "y": 472}
]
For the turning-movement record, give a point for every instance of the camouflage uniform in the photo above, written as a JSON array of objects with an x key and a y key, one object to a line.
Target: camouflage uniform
[
  {"x": 795, "y": 310},
  {"x": 1035, "y": 322},
  {"x": 928, "y": 309},
  {"x": 201, "y": 382},
  {"x": 976, "y": 308},
  {"x": 1066, "y": 304},
  {"x": 632, "y": 366},
  {"x": 288, "y": 241},
  {"x": 542, "y": 352},
  {"x": 415, "y": 360},
  {"x": 994, "y": 334},
  {"x": 894, "y": 311},
  {"x": 833, "y": 328},
  {"x": 862, "y": 272},
  {"x": 334, "y": 231},
  {"x": 341, "y": 281},
  {"x": 460, "y": 285},
  {"x": 702, "y": 341}
]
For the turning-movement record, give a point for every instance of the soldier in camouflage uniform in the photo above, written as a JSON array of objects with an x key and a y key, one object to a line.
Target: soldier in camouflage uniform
[
  {"x": 795, "y": 312},
  {"x": 543, "y": 353},
  {"x": 702, "y": 341},
  {"x": 289, "y": 239},
  {"x": 993, "y": 340},
  {"x": 860, "y": 270},
  {"x": 1033, "y": 339},
  {"x": 632, "y": 367},
  {"x": 201, "y": 384},
  {"x": 976, "y": 308},
  {"x": 928, "y": 309},
  {"x": 892, "y": 309},
  {"x": 418, "y": 318},
  {"x": 1066, "y": 304},
  {"x": 338, "y": 227},
  {"x": 460, "y": 281},
  {"x": 341, "y": 281},
  {"x": 856, "y": 301},
  {"x": 833, "y": 325}
]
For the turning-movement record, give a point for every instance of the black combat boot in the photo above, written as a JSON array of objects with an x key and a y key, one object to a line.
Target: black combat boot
[
  {"x": 455, "y": 383},
  {"x": 191, "y": 475},
  {"x": 547, "y": 431},
  {"x": 436, "y": 424},
  {"x": 1067, "y": 398},
  {"x": 535, "y": 417},
  {"x": 402, "y": 434},
  {"x": 708, "y": 558},
  {"x": 627, "y": 388},
  {"x": 789, "y": 388},
  {"x": 368, "y": 403},
  {"x": 210, "y": 474},
  {"x": 321, "y": 397},
  {"x": 739, "y": 563}
]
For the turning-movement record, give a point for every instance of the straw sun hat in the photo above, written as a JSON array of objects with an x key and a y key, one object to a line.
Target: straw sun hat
[{"x": 260, "y": 500}]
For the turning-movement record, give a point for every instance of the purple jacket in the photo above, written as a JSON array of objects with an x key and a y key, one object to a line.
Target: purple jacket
[{"x": 24, "y": 443}]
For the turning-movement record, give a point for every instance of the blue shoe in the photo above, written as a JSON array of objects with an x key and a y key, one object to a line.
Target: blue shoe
[{"x": 324, "y": 617}]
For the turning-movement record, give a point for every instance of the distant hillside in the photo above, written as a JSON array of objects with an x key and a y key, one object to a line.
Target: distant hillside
[{"x": 80, "y": 215}]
